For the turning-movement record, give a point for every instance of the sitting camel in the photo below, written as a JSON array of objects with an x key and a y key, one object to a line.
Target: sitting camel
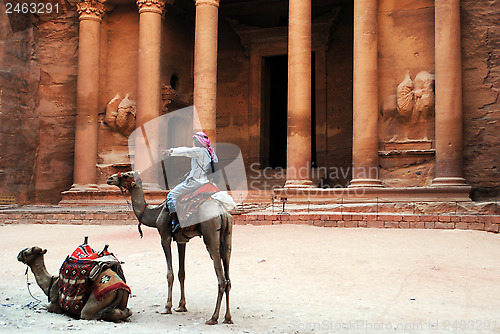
[
  {"x": 111, "y": 307},
  {"x": 216, "y": 232}
]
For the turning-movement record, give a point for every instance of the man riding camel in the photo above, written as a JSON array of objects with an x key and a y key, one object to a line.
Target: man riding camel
[{"x": 202, "y": 155}]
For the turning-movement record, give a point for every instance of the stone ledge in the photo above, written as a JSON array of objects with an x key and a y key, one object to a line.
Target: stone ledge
[{"x": 125, "y": 216}]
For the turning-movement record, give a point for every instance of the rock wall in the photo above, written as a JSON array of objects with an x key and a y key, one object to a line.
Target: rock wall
[
  {"x": 481, "y": 86},
  {"x": 19, "y": 119},
  {"x": 37, "y": 107}
]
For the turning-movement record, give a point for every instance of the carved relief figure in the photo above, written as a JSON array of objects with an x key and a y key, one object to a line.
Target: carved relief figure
[
  {"x": 409, "y": 110},
  {"x": 121, "y": 116}
]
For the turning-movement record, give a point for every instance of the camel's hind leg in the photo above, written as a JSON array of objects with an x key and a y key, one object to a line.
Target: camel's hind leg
[
  {"x": 225, "y": 254},
  {"x": 107, "y": 308},
  {"x": 212, "y": 242}
]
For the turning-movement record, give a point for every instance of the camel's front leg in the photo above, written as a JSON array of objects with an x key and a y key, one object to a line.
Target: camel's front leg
[
  {"x": 182, "y": 276},
  {"x": 212, "y": 243},
  {"x": 165, "y": 243}
]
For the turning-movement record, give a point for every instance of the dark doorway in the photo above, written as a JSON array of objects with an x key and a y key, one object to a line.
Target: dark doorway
[{"x": 274, "y": 111}]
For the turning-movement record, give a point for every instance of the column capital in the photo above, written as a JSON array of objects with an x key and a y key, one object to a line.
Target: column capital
[
  {"x": 91, "y": 10},
  {"x": 153, "y": 6},
  {"x": 207, "y": 2}
]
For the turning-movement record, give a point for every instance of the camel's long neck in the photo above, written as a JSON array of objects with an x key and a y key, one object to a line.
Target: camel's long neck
[
  {"x": 42, "y": 276},
  {"x": 145, "y": 213}
]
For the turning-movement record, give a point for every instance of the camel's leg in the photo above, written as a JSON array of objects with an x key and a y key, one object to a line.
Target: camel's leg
[
  {"x": 212, "y": 242},
  {"x": 165, "y": 243},
  {"x": 181, "y": 248},
  {"x": 107, "y": 307},
  {"x": 226, "y": 257}
]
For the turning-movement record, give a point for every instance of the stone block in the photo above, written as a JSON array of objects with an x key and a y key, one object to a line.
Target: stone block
[
  {"x": 417, "y": 225},
  {"x": 444, "y": 218},
  {"x": 404, "y": 224},
  {"x": 476, "y": 226},
  {"x": 444, "y": 225},
  {"x": 461, "y": 226},
  {"x": 363, "y": 223},
  {"x": 429, "y": 218},
  {"x": 351, "y": 223},
  {"x": 429, "y": 225},
  {"x": 468, "y": 219},
  {"x": 391, "y": 224},
  {"x": 375, "y": 224},
  {"x": 491, "y": 227}
]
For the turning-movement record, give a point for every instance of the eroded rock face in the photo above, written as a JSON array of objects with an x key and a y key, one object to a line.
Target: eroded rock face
[
  {"x": 481, "y": 87},
  {"x": 37, "y": 108}
]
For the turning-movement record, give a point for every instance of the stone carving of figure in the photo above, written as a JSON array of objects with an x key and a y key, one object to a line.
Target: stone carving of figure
[
  {"x": 415, "y": 99},
  {"x": 121, "y": 116},
  {"x": 408, "y": 113}
]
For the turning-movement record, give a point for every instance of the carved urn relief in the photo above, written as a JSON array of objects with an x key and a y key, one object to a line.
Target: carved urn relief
[
  {"x": 120, "y": 114},
  {"x": 407, "y": 132}
]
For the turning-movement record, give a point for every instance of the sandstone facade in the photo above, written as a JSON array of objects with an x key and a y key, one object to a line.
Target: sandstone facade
[{"x": 38, "y": 77}]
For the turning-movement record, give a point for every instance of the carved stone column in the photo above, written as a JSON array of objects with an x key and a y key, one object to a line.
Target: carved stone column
[
  {"x": 365, "y": 96},
  {"x": 87, "y": 94},
  {"x": 449, "y": 145},
  {"x": 298, "y": 169},
  {"x": 149, "y": 86},
  {"x": 205, "y": 64}
]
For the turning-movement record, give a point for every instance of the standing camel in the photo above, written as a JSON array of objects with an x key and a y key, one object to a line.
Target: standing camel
[
  {"x": 111, "y": 307},
  {"x": 215, "y": 228}
]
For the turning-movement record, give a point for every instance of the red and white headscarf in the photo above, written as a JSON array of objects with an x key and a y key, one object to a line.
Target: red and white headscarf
[{"x": 203, "y": 139}]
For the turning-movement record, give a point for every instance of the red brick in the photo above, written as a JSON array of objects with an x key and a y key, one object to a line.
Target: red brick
[
  {"x": 324, "y": 217},
  {"x": 490, "y": 227},
  {"x": 284, "y": 217},
  {"x": 462, "y": 226},
  {"x": 428, "y": 224},
  {"x": 444, "y": 225},
  {"x": 417, "y": 225},
  {"x": 340, "y": 223},
  {"x": 410, "y": 218},
  {"x": 260, "y": 217},
  {"x": 483, "y": 219},
  {"x": 391, "y": 218},
  {"x": 404, "y": 224},
  {"x": 370, "y": 217},
  {"x": 325, "y": 223},
  {"x": 336, "y": 216},
  {"x": 357, "y": 217},
  {"x": 495, "y": 219},
  {"x": 375, "y": 224},
  {"x": 429, "y": 218},
  {"x": 476, "y": 226},
  {"x": 468, "y": 219},
  {"x": 391, "y": 224},
  {"x": 362, "y": 223},
  {"x": 346, "y": 217},
  {"x": 351, "y": 223},
  {"x": 444, "y": 218}
]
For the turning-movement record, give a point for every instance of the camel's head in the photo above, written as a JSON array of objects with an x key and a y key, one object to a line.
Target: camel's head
[
  {"x": 125, "y": 180},
  {"x": 27, "y": 255}
]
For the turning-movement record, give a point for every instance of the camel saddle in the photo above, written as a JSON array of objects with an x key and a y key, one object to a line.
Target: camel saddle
[
  {"x": 190, "y": 203},
  {"x": 86, "y": 271}
]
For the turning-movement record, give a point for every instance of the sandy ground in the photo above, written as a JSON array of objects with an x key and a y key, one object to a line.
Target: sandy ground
[{"x": 286, "y": 279}]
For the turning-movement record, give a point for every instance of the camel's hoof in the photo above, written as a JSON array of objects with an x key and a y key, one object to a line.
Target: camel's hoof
[
  {"x": 181, "y": 309},
  {"x": 228, "y": 321},
  {"x": 166, "y": 311},
  {"x": 211, "y": 322}
]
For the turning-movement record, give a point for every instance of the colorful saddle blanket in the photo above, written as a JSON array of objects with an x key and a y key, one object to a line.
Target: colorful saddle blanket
[
  {"x": 190, "y": 203},
  {"x": 76, "y": 278}
]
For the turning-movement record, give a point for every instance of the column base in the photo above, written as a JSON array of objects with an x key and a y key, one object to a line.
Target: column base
[
  {"x": 365, "y": 183},
  {"x": 449, "y": 182},
  {"x": 298, "y": 184},
  {"x": 83, "y": 187}
]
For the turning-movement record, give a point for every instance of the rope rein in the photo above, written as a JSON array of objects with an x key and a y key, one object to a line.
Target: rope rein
[{"x": 29, "y": 291}]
